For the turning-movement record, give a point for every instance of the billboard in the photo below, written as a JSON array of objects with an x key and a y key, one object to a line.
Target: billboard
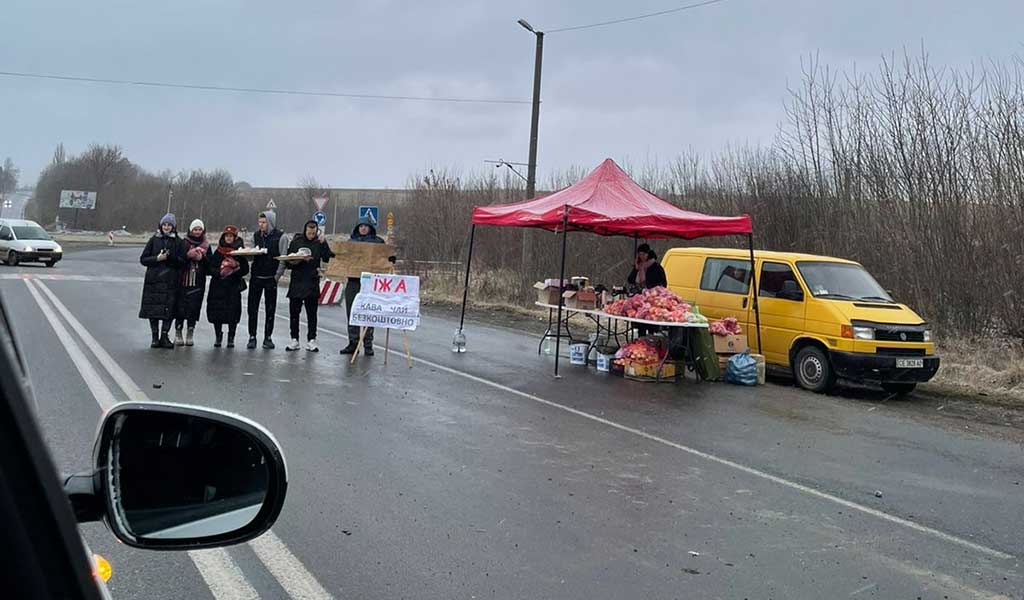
[{"x": 77, "y": 199}]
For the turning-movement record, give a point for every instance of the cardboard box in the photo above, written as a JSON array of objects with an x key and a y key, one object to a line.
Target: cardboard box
[
  {"x": 583, "y": 299},
  {"x": 352, "y": 259},
  {"x": 546, "y": 294},
  {"x": 668, "y": 371},
  {"x": 730, "y": 344}
]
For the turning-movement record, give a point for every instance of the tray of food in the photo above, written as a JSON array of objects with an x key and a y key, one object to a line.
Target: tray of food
[
  {"x": 249, "y": 252},
  {"x": 301, "y": 254}
]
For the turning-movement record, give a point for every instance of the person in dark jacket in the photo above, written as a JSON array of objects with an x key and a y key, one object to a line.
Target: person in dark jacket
[
  {"x": 364, "y": 231},
  {"x": 304, "y": 288},
  {"x": 266, "y": 272},
  {"x": 646, "y": 273},
  {"x": 227, "y": 280},
  {"x": 163, "y": 260},
  {"x": 192, "y": 287}
]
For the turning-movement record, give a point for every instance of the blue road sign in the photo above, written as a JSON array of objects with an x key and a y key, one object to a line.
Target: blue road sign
[
  {"x": 372, "y": 212},
  {"x": 320, "y": 218}
]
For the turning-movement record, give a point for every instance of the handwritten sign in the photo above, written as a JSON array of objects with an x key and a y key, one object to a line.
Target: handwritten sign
[{"x": 387, "y": 301}]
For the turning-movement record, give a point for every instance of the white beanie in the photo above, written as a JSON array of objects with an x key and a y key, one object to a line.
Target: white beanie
[{"x": 197, "y": 223}]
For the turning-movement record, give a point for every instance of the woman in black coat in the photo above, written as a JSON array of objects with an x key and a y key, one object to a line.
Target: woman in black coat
[
  {"x": 304, "y": 288},
  {"x": 193, "y": 282},
  {"x": 227, "y": 273},
  {"x": 163, "y": 259}
]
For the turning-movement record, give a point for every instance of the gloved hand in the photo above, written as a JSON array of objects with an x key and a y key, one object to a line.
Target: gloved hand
[{"x": 392, "y": 259}]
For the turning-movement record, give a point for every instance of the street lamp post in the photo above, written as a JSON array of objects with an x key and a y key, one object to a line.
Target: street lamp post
[
  {"x": 531, "y": 173},
  {"x": 170, "y": 193}
]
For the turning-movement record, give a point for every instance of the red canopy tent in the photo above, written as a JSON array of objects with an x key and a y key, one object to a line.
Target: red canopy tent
[{"x": 607, "y": 202}]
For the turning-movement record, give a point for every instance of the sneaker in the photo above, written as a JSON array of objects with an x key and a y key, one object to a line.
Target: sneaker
[
  {"x": 311, "y": 346},
  {"x": 190, "y": 339},
  {"x": 350, "y": 349},
  {"x": 293, "y": 345},
  {"x": 178, "y": 341},
  {"x": 268, "y": 344},
  {"x": 368, "y": 350},
  {"x": 252, "y": 343}
]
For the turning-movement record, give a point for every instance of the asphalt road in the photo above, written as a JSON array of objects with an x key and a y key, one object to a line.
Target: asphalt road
[
  {"x": 480, "y": 476},
  {"x": 17, "y": 200}
]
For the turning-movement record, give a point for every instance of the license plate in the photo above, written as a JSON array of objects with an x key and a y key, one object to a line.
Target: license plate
[{"x": 909, "y": 363}]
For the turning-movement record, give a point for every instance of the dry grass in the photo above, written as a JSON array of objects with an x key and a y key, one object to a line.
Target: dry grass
[{"x": 982, "y": 366}]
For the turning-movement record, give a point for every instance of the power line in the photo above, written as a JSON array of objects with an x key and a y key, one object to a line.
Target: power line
[
  {"x": 219, "y": 88},
  {"x": 637, "y": 17}
]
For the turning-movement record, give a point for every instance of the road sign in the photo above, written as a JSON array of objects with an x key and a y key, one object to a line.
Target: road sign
[
  {"x": 320, "y": 202},
  {"x": 271, "y": 204},
  {"x": 320, "y": 218},
  {"x": 370, "y": 212}
]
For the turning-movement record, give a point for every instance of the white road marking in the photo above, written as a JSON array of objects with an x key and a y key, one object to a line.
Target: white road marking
[
  {"x": 132, "y": 391},
  {"x": 222, "y": 575},
  {"x": 884, "y": 516},
  {"x": 288, "y": 570},
  {"x": 225, "y": 580},
  {"x": 60, "y": 277},
  {"x": 100, "y": 391}
]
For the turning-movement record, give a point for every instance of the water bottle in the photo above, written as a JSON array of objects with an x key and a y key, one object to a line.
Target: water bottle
[
  {"x": 548, "y": 346},
  {"x": 459, "y": 342}
]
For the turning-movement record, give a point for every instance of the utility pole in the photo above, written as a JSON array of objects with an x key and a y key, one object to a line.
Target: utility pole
[
  {"x": 531, "y": 172},
  {"x": 170, "y": 193}
]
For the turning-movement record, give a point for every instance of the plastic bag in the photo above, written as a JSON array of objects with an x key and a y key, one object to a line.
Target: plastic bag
[{"x": 741, "y": 369}]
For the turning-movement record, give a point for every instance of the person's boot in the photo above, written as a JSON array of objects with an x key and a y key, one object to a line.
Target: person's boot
[
  {"x": 178, "y": 341},
  {"x": 350, "y": 349},
  {"x": 231, "y": 340},
  {"x": 156, "y": 340},
  {"x": 165, "y": 341},
  {"x": 252, "y": 343},
  {"x": 218, "y": 339},
  {"x": 268, "y": 344},
  {"x": 190, "y": 338},
  {"x": 368, "y": 350}
]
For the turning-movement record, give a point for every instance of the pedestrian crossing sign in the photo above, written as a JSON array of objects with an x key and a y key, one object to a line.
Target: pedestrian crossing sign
[{"x": 371, "y": 213}]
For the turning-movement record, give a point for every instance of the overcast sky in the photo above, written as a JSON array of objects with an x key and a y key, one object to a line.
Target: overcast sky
[{"x": 642, "y": 90}]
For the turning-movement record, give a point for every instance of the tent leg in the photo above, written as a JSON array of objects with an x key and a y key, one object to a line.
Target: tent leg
[
  {"x": 561, "y": 287},
  {"x": 753, "y": 282},
  {"x": 465, "y": 289}
]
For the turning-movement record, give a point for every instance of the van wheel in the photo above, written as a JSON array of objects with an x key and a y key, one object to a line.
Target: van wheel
[
  {"x": 813, "y": 371},
  {"x": 899, "y": 388},
  {"x": 12, "y": 258}
]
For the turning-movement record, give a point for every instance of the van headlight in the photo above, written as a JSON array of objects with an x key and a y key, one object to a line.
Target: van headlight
[
  {"x": 863, "y": 333},
  {"x": 58, "y": 249},
  {"x": 29, "y": 249},
  {"x": 927, "y": 335}
]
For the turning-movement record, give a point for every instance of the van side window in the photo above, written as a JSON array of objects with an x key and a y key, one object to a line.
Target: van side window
[
  {"x": 5, "y": 233},
  {"x": 726, "y": 275},
  {"x": 776, "y": 277}
]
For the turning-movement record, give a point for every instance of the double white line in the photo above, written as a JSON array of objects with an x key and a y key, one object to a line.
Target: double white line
[{"x": 220, "y": 572}]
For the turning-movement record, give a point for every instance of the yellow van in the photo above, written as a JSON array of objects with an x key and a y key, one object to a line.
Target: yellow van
[{"x": 822, "y": 318}]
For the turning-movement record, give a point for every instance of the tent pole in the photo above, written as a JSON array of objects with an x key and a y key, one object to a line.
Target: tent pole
[
  {"x": 465, "y": 289},
  {"x": 561, "y": 288},
  {"x": 753, "y": 282}
]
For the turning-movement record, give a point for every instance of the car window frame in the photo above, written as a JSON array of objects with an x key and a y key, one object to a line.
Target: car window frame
[{"x": 48, "y": 554}]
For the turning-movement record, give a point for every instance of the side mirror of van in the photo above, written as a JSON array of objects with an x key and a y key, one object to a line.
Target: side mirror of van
[
  {"x": 791, "y": 291},
  {"x": 176, "y": 477}
]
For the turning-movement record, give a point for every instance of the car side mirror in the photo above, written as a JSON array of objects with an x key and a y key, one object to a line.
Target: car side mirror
[
  {"x": 174, "y": 477},
  {"x": 791, "y": 291}
]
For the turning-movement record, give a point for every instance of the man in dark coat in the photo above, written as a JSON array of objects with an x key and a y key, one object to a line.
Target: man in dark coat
[
  {"x": 163, "y": 260},
  {"x": 266, "y": 272},
  {"x": 304, "y": 287},
  {"x": 227, "y": 280},
  {"x": 193, "y": 282},
  {"x": 364, "y": 231}
]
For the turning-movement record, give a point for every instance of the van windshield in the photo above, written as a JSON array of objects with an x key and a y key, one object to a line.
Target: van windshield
[
  {"x": 841, "y": 281},
  {"x": 30, "y": 232}
]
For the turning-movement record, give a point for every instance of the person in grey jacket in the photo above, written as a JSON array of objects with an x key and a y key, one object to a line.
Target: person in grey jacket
[{"x": 266, "y": 272}]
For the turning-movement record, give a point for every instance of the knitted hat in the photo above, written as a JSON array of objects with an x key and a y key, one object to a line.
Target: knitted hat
[{"x": 197, "y": 224}]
